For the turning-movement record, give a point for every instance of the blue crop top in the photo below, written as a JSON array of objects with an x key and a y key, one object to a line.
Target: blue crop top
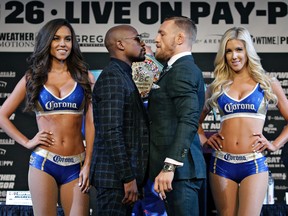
[
  {"x": 48, "y": 104},
  {"x": 253, "y": 105}
]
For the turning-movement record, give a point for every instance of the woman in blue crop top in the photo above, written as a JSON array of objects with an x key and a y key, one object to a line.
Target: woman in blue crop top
[
  {"x": 241, "y": 92},
  {"x": 57, "y": 86}
]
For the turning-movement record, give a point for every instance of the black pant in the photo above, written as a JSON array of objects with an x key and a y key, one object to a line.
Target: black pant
[
  {"x": 183, "y": 200},
  {"x": 109, "y": 202}
]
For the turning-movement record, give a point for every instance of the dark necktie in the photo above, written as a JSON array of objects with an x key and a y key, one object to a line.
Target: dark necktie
[{"x": 164, "y": 70}]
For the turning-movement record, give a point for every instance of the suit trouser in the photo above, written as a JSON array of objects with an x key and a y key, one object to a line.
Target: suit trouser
[
  {"x": 109, "y": 203},
  {"x": 183, "y": 200}
]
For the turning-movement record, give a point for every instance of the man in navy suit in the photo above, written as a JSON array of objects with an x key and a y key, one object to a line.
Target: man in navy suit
[
  {"x": 121, "y": 145},
  {"x": 177, "y": 164}
]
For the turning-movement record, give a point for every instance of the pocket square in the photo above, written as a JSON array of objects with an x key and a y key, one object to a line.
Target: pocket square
[{"x": 155, "y": 86}]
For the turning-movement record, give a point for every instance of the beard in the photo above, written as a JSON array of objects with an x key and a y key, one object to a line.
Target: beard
[
  {"x": 139, "y": 58},
  {"x": 162, "y": 56},
  {"x": 165, "y": 53}
]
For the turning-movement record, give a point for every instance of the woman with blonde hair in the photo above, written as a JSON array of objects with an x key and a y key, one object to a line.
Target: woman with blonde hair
[{"x": 241, "y": 91}]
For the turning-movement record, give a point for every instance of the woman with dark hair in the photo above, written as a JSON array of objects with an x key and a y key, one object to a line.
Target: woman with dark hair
[{"x": 57, "y": 87}]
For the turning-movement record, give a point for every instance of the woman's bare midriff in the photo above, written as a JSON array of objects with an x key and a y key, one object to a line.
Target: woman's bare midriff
[
  {"x": 238, "y": 134},
  {"x": 66, "y": 129}
]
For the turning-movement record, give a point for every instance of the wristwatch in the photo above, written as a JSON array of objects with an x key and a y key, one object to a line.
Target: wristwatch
[{"x": 169, "y": 167}]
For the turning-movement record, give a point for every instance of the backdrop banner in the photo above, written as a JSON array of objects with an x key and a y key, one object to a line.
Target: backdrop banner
[{"x": 266, "y": 20}]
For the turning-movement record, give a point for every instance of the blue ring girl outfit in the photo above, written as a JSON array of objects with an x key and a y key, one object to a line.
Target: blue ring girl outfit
[
  {"x": 63, "y": 169},
  {"x": 49, "y": 104},
  {"x": 239, "y": 166}
]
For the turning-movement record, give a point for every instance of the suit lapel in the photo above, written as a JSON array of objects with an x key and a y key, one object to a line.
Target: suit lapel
[
  {"x": 136, "y": 95},
  {"x": 141, "y": 107},
  {"x": 166, "y": 68},
  {"x": 164, "y": 71},
  {"x": 139, "y": 102}
]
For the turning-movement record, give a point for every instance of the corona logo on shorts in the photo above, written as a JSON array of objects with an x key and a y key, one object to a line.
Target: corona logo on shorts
[
  {"x": 230, "y": 157},
  {"x": 59, "y": 159}
]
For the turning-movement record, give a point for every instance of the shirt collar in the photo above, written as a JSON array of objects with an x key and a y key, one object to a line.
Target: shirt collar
[
  {"x": 177, "y": 56},
  {"x": 123, "y": 65}
]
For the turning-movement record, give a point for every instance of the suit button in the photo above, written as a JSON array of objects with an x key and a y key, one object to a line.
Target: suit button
[
  {"x": 184, "y": 152},
  {"x": 150, "y": 122}
]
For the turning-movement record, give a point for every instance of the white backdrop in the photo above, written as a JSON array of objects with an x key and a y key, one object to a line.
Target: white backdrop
[{"x": 266, "y": 20}]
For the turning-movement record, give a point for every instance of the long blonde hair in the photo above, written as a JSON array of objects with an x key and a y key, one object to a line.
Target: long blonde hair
[{"x": 224, "y": 74}]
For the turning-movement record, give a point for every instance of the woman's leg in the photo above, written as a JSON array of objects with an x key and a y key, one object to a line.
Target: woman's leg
[
  {"x": 73, "y": 201},
  {"x": 44, "y": 192},
  {"x": 225, "y": 195},
  {"x": 252, "y": 193}
]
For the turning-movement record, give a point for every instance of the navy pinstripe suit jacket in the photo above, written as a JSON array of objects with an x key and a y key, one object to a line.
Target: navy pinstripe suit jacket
[{"x": 121, "y": 148}]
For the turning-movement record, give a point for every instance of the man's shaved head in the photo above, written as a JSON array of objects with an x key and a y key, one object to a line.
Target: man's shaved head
[{"x": 116, "y": 33}]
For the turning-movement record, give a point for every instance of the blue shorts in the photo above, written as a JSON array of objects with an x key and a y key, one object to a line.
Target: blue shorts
[
  {"x": 237, "y": 166},
  {"x": 63, "y": 169}
]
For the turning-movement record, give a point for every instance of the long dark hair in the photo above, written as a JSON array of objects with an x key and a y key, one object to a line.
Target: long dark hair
[{"x": 40, "y": 63}]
